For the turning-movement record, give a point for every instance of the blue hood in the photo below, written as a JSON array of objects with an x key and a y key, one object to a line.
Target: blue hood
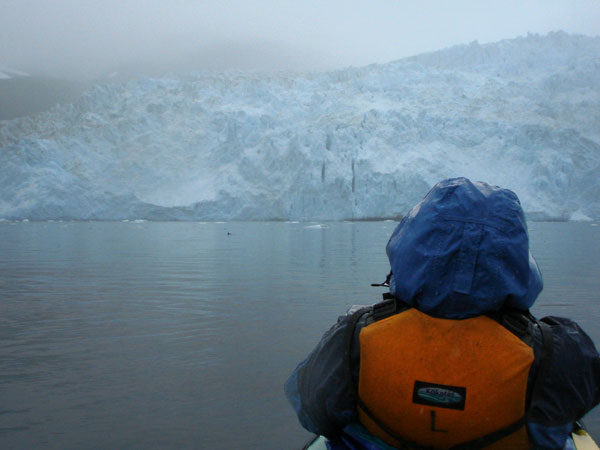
[{"x": 464, "y": 251}]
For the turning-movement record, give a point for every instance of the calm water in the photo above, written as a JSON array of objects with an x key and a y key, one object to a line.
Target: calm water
[{"x": 180, "y": 335}]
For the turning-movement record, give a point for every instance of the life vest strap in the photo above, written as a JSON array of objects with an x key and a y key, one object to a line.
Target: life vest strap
[
  {"x": 491, "y": 438},
  {"x": 347, "y": 359},
  {"x": 404, "y": 443},
  {"x": 474, "y": 444},
  {"x": 547, "y": 351},
  {"x": 388, "y": 307}
]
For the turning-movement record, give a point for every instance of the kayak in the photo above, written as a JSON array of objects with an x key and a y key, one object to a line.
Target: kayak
[
  {"x": 316, "y": 443},
  {"x": 581, "y": 439}
]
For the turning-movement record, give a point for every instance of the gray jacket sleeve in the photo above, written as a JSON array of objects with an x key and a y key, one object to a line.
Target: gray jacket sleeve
[
  {"x": 569, "y": 389},
  {"x": 321, "y": 389}
]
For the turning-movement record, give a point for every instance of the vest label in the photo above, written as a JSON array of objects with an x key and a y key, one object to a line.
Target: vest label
[{"x": 440, "y": 395}]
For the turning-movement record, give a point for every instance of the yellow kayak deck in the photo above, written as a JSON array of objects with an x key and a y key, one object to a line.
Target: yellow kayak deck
[{"x": 581, "y": 439}]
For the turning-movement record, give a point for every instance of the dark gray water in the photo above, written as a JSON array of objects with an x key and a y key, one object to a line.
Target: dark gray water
[{"x": 180, "y": 335}]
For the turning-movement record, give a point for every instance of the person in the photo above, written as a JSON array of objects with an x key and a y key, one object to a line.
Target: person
[{"x": 452, "y": 357}]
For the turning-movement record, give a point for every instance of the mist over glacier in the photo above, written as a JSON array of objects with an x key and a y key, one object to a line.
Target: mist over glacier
[{"x": 356, "y": 143}]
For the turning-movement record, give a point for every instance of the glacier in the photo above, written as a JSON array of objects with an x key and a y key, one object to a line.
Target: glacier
[{"x": 352, "y": 144}]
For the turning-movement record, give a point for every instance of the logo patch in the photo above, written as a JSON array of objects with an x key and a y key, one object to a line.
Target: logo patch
[{"x": 440, "y": 395}]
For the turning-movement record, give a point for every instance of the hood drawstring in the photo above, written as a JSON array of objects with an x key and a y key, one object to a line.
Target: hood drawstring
[{"x": 386, "y": 283}]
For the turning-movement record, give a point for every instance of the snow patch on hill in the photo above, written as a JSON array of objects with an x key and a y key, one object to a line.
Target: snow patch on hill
[{"x": 6, "y": 73}]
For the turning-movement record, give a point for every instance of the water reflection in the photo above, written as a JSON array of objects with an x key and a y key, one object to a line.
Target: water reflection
[{"x": 180, "y": 335}]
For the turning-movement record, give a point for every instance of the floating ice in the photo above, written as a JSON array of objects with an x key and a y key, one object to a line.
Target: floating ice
[{"x": 578, "y": 216}]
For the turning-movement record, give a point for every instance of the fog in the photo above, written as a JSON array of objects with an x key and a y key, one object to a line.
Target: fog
[{"x": 82, "y": 40}]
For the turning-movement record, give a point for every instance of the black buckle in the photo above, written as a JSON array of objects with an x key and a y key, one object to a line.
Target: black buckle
[{"x": 384, "y": 309}]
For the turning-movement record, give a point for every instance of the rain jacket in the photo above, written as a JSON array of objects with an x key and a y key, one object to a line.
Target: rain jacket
[{"x": 462, "y": 252}]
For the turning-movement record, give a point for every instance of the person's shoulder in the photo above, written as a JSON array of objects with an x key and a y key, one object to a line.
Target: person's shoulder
[
  {"x": 569, "y": 379},
  {"x": 355, "y": 308},
  {"x": 519, "y": 322},
  {"x": 569, "y": 338}
]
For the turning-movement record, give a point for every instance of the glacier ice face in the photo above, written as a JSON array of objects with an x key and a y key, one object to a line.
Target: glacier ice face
[{"x": 350, "y": 144}]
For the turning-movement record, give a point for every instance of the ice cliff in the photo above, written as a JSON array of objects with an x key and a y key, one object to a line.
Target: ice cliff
[{"x": 355, "y": 143}]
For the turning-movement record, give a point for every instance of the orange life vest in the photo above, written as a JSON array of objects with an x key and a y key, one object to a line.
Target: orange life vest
[{"x": 441, "y": 383}]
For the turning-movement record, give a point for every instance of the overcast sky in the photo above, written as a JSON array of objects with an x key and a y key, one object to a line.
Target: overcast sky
[{"x": 85, "y": 39}]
